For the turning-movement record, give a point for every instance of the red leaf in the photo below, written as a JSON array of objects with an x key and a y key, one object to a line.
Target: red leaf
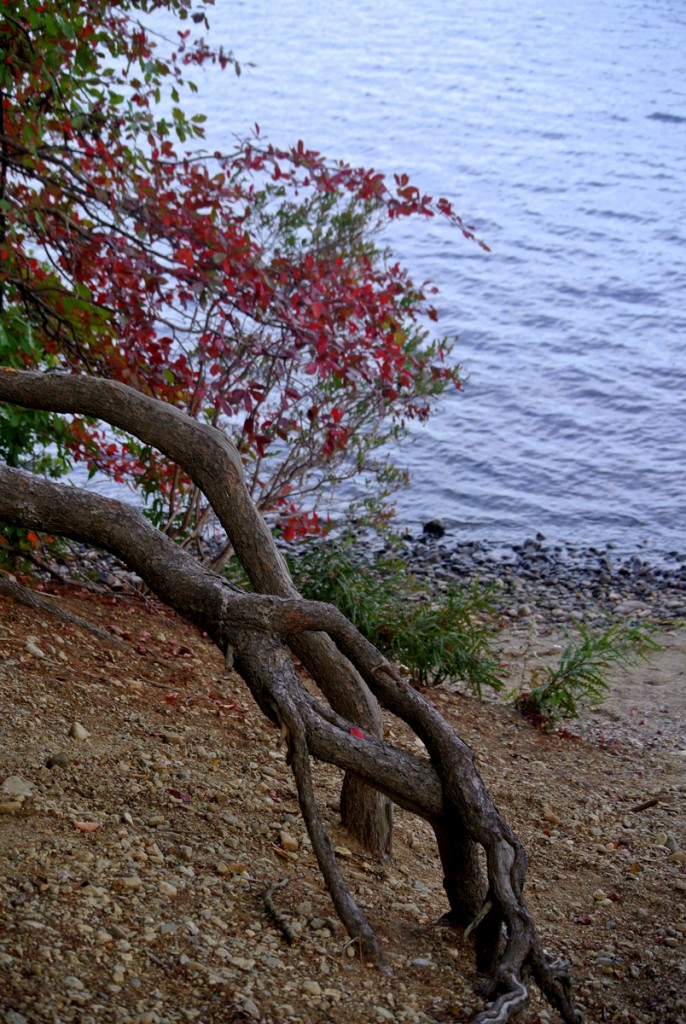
[
  {"x": 354, "y": 731},
  {"x": 178, "y": 795},
  {"x": 185, "y": 255}
]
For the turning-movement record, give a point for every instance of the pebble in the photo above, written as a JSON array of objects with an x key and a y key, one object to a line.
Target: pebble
[
  {"x": 434, "y": 528},
  {"x": 10, "y": 806},
  {"x": 549, "y": 582},
  {"x": 382, "y": 1013},
  {"x": 407, "y": 908},
  {"x": 33, "y": 648},
  {"x": 627, "y": 607},
  {"x": 57, "y": 761},
  {"x": 167, "y": 889},
  {"x": 311, "y": 987},
  {"x": 16, "y": 788},
  {"x": 77, "y": 731},
  {"x": 288, "y": 842},
  {"x": 131, "y": 882}
]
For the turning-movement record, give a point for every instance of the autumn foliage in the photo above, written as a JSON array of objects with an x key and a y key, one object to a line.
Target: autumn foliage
[{"x": 245, "y": 288}]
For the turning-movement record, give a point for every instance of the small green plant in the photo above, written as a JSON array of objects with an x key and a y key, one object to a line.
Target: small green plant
[
  {"x": 448, "y": 637},
  {"x": 579, "y": 680},
  {"x": 29, "y": 438},
  {"x": 435, "y": 636}
]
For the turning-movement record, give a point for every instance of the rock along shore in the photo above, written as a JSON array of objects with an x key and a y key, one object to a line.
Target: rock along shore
[
  {"x": 555, "y": 583},
  {"x": 534, "y": 579}
]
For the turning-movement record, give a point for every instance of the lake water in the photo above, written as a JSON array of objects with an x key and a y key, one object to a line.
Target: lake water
[{"x": 559, "y": 130}]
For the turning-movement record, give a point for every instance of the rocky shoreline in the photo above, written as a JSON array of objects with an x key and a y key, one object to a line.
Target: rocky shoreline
[
  {"x": 555, "y": 583},
  {"x": 537, "y": 580}
]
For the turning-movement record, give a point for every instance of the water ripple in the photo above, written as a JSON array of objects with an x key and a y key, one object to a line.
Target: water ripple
[{"x": 558, "y": 131}]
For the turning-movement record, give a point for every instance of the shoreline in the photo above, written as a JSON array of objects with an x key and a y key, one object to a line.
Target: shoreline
[
  {"x": 555, "y": 583},
  {"x": 547, "y": 583}
]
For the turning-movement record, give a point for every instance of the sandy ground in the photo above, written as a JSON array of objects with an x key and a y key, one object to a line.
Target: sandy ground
[{"x": 133, "y": 869}]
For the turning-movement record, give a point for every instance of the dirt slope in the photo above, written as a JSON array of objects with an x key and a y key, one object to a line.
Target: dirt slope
[{"x": 133, "y": 870}]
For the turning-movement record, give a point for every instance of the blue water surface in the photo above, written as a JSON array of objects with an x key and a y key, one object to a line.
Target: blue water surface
[{"x": 559, "y": 130}]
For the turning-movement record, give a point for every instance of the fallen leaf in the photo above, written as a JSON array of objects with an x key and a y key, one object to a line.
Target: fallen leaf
[{"x": 185, "y": 798}]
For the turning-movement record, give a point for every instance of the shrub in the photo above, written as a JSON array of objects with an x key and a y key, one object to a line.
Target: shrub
[
  {"x": 579, "y": 680},
  {"x": 435, "y": 636}
]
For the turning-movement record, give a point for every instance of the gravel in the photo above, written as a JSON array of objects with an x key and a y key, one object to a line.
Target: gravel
[
  {"x": 156, "y": 915},
  {"x": 556, "y": 583}
]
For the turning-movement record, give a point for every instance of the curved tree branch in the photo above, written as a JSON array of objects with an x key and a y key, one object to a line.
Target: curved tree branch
[
  {"x": 446, "y": 789},
  {"x": 212, "y": 461}
]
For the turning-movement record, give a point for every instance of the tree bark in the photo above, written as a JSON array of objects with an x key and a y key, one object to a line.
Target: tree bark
[{"x": 446, "y": 789}]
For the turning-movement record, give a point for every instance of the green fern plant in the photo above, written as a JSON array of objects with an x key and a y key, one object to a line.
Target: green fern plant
[{"x": 579, "y": 680}]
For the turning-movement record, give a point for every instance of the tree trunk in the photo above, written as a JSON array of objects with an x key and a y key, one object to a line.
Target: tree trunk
[{"x": 259, "y": 629}]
